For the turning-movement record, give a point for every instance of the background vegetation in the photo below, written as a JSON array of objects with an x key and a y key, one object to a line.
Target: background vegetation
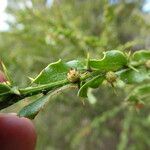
[{"x": 68, "y": 29}]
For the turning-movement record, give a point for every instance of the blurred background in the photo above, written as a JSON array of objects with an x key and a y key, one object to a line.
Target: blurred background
[{"x": 34, "y": 33}]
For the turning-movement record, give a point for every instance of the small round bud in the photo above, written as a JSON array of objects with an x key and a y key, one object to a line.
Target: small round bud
[
  {"x": 111, "y": 77},
  {"x": 73, "y": 75},
  {"x": 139, "y": 105},
  {"x": 147, "y": 64}
]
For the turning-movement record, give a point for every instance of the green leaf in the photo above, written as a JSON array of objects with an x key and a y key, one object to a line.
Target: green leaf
[
  {"x": 77, "y": 64},
  {"x": 141, "y": 56},
  {"x": 130, "y": 76},
  {"x": 93, "y": 83},
  {"x": 4, "y": 89},
  {"x": 112, "y": 60},
  {"x": 31, "y": 110},
  {"x": 52, "y": 73}
]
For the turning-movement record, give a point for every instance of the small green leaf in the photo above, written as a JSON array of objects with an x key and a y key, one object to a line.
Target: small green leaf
[
  {"x": 7, "y": 99},
  {"x": 145, "y": 89},
  {"x": 31, "y": 110},
  {"x": 112, "y": 60},
  {"x": 130, "y": 76},
  {"x": 93, "y": 83},
  {"x": 141, "y": 56},
  {"x": 52, "y": 73},
  {"x": 139, "y": 92}
]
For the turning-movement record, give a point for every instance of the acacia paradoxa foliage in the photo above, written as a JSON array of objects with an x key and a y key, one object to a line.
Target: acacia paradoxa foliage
[{"x": 115, "y": 65}]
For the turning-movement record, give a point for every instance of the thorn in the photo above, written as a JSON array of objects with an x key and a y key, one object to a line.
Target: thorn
[
  {"x": 88, "y": 58},
  {"x": 133, "y": 68},
  {"x": 31, "y": 79}
]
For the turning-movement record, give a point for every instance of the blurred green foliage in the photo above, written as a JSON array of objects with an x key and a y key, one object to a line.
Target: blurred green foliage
[{"x": 70, "y": 29}]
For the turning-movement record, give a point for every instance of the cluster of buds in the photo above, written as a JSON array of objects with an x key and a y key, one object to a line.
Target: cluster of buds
[
  {"x": 73, "y": 76},
  {"x": 111, "y": 77}
]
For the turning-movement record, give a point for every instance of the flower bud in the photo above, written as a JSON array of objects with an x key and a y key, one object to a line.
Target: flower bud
[
  {"x": 73, "y": 75},
  {"x": 111, "y": 76}
]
